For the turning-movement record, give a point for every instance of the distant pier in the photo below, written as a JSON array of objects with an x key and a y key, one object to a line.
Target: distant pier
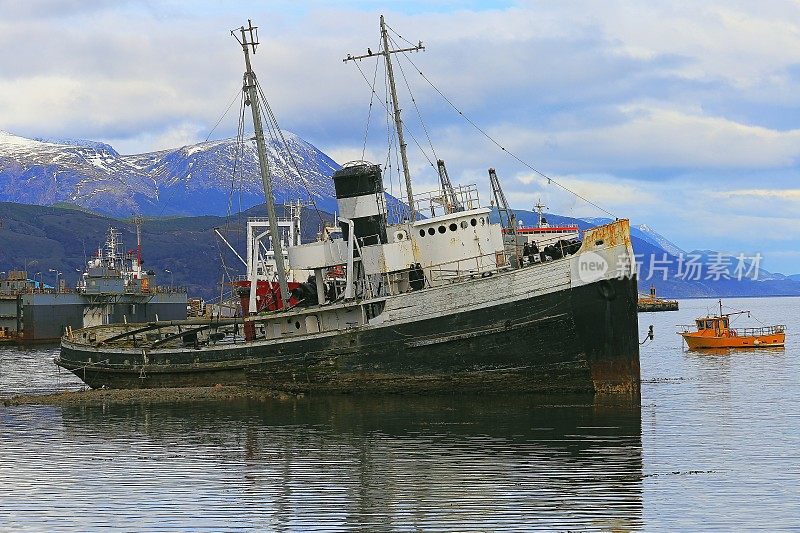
[{"x": 650, "y": 303}]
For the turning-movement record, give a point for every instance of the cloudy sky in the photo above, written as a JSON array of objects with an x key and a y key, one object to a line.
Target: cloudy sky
[{"x": 683, "y": 115}]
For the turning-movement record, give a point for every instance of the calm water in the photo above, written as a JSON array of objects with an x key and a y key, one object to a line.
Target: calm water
[{"x": 715, "y": 444}]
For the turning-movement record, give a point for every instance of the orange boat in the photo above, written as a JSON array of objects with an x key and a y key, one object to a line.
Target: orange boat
[{"x": 715, "y": 332}]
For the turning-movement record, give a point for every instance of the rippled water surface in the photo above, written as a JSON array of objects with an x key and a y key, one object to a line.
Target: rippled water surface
[{"x": 715, "y": 444}]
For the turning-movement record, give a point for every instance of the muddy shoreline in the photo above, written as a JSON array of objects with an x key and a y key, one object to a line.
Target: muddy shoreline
[{"x": 90, "y": 397}]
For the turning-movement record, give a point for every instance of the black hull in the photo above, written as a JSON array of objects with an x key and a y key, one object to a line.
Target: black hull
[{"x": 583, "y": 339}]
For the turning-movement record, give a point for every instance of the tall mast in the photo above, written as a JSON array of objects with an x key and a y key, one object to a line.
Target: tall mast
[
  {"x": 398, "y": 123},
  {"x": 251, "y": 90}
]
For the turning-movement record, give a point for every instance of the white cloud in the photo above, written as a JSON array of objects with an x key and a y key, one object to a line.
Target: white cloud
[
  {"x": 173, "y": 136},
  {"x": 650, "y": 109},
  {"x": 782, "y": 194},
  {"x": 653, "y": 137}
]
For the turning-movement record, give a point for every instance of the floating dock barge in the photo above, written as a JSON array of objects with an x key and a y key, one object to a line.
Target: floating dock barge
[
  {"x": 650, "y": 303},
  {"x": 113, "y": 288}
]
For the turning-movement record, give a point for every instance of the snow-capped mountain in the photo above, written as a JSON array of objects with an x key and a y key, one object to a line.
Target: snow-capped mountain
[
  {"x": 644, "y": 232},
  {"x": 653, "y": 237},
  {"x": 199, "y": 179}
]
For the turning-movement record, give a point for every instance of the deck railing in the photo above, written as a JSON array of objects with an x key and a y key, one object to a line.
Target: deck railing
[
  {"x": 460, "y": 269},
  {"x": 755, "y": 332},
  {"x": 742, "y": 332},
  {"x": 432, "y": 203}
]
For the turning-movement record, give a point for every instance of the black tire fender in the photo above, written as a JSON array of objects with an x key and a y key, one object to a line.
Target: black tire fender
[{"x": 606, "y": 289}]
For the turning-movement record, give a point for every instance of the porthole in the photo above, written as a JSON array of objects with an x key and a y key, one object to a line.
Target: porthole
[
  {"x": 442, "y": 229},
  {"x": 297, "y": 325},
  {"x": 453, "y": 226},
  {"x": 464, "y": 224},
  {"x": 431, "y": 231},
  {"x": 483, "y": 221},
  {"x": 473, "y": 222},
  {"x": 400, "y": 236},
  {"x": 422, "y": 233}
]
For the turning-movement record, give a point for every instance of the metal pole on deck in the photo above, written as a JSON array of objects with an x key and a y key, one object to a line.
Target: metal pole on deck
[{"x": 250, "y": 40}]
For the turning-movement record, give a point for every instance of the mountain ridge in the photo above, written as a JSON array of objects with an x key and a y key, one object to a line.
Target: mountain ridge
[
  {"x": 41, "y": 238},
  {"x": 221, "y": 177},
  {"x": 204, "y": 178}
]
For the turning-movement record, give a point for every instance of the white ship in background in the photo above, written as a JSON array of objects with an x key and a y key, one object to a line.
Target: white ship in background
[{"x": 543, "y": 234}]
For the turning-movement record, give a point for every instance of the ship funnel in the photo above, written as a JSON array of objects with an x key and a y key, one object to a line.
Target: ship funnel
[{"x": 360, "y": 198}]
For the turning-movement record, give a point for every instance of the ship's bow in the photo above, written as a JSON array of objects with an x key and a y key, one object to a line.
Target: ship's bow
[{"x": 604, "y": 298}]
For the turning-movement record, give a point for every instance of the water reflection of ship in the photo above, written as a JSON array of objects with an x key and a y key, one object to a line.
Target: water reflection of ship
[{"x": 426, "y": 462}]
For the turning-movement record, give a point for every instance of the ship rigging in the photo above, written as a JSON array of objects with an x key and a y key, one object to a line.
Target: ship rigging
[{"x": 413, "y": 304}]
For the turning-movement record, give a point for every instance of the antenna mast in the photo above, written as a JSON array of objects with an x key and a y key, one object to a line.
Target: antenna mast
[
  {"x": 540, "y": 217},
  {"x": 250, "y": 40},
  {"x": 398, "y": 123},
  {"x": 137, "y": 220}
]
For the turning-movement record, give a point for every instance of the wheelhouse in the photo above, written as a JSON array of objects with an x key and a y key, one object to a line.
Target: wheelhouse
[{"x": 716, "y": 323}]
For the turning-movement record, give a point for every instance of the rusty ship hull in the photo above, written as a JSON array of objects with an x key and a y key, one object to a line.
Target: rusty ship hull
[
  {"x": 575, "y": 340},
  {"x": 535, "y": 329}
]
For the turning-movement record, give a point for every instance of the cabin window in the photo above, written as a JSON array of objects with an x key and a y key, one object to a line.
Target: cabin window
[
  {"x": 473, "y": 222},
  {"x": 709, "y": 324},
  {"x": 453, "y": 226},
  {"x": 312, "y": 324},
  {"x": 700, "y": 324},
  {"x": 483, "y": 221},
  {"x": 464, "y": 224},
  {"x": 422, "y": 233},
  {"x": 431, "y": 231},
  {"x": 442, "y": 229}
]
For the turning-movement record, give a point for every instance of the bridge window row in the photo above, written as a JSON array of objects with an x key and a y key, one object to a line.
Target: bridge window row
[{"x": 454, "y": 227}]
